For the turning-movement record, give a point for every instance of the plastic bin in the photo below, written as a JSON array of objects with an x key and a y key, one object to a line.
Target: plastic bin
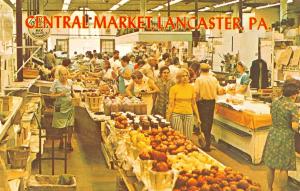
[{"x": 51, "y": 183}]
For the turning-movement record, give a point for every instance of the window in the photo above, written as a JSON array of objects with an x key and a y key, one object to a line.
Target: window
[
  {"x": 107, "y": 45},
  {"x": 62, "y": 45}
]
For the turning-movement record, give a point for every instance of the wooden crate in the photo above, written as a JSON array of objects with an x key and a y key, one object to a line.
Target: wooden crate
[
  {"x": 6, "y": 103},
  {"x": 94, "y": 102}
]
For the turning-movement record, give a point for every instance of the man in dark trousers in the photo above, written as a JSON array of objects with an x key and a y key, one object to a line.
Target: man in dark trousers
[{"x": 207, "y": 88}]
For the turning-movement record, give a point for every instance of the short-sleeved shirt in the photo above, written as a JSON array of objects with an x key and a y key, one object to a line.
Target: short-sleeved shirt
[
  {"x": 65, "y": 102},
  {"x": 245, "y": 79},
  {"x": 206, "y": 87},
  {"x": 183, "y": 96}
]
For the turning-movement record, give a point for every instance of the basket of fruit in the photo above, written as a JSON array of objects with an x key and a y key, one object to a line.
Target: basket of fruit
[{"x": 93, "y": 100}]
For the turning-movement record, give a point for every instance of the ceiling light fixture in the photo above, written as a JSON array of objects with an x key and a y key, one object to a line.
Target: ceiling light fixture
[
  {"x": 227, "y": 3},
  {"x": 149, "y": 12},
  {"x": 158, "y": 8},
  {"x": 115, "y": 7},
  {"x": 272, "y": 5},
  {"x": 228, "y": 13},
  {"x": 66, "y": 5},
  {"x": 204, "y": 9},
  {"x": 191, "y": 13},
  {"x": 173, "y": 2},
  {"x": 247, "y": 9},
  {"x": 122, "y": 2}
]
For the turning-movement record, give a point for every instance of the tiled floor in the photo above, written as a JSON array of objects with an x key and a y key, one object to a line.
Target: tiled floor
[{"x": 87, "y": 164}]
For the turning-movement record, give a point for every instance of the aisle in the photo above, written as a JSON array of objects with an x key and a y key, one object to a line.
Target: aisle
[{"x": 88, "y": 165}]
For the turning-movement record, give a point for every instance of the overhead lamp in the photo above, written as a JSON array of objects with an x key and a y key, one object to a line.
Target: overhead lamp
[
  {"x": 267, "y": 6},
  {"x": 225, "y": 4},
  {"x": 173, "y": 2},
  {"x": 247, "y": 9},
  {"x": 148, "y": 12},
  {"x": 67, "y": 2},
  {"x": 122, "y": 2},
  {"x": 272, "y": 5},
  {"x": 65, "y": 7},
  {"x": 13, "y": 2},
  {"x": 204, "y": 9},
  {"x": 115, "y": 7},
  {"x": 158, "y": 8},
  {"x": 191, "y": 13},
  {"x": 228, "y": 13}
]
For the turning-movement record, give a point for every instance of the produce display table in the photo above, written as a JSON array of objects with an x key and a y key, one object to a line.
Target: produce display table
[{"x": 243, "y": 130}]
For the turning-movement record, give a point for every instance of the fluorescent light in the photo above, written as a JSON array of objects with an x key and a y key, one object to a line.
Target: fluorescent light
[
  {"x": 247, "y": 9},
  {"x": 13, "y": 2},
  {"x": 65, "y": 7},
  {"x": 227, "y": 3},
  {"x": 267, "y": 6},
  {"x": 173, "y": 2},
  {"x": 149, "y": 12},
  {"x": 115, "y": 7},
  {"x": 228, "y": 13},
  {"x": 67, "y": 2},
  {"x": 191, "y": 13},
  {"x": 122, "y": 2},
  {"x": 290, "y": 1},
  {"x": 158, "y": 8},
  {"x": 204, "y": 9}
]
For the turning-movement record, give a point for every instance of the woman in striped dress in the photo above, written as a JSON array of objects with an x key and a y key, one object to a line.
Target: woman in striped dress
[{"x": 182, "y": 104}]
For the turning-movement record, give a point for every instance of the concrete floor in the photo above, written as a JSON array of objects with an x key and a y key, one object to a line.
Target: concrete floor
[{"x": 88, "y": 165}]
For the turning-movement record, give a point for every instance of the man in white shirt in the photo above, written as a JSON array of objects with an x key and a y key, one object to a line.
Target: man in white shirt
[
  {"x": 165, "y": 60},
  {"x": 114, "y": 61}
]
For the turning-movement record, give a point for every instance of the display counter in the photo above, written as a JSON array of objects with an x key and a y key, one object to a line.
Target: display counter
[{"x": 243, "y": 129}]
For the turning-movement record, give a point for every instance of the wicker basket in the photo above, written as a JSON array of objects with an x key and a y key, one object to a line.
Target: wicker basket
[
  {"x": 94, "y": 102},
  {"x": 29, "y": 73},
  {"x": 18, "y": 156},
  {"x": 49, "y": 183}
]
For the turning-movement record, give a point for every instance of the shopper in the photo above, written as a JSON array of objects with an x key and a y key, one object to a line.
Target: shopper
[
  {"x": 148, "y": 68},
  {"x": 63, "y": 116},
  {"x": 115, "y": 62},
  {"x": 164, "y": 83},
  {"x": 124, "y": 74},
  {"x": 243, "y": 80},
  {"x": 107, "y": 74},
  {"x": 182, "y": 104},
  {"x": 279, "y": 153},
  {"x": 50, "y": 60},
  {"x": 206, "y": 89},
  {"x": 164, "y": 61},
  {"x": 143, "y": 87}
]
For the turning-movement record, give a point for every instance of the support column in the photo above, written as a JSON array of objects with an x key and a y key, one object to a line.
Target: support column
[
  {"x": 283, "y": 11},
  {"x": 19, "y": 38},
  {"x": 240, "y": 7},
  {"x": 142, "y": 10}
]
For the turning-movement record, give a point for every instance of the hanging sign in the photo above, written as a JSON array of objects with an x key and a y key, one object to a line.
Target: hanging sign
[{"x": 38, "y": 28}]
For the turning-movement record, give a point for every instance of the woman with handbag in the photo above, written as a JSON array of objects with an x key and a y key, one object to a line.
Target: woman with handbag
[
  {"x": 63, "y": 116},
  {"x": 279, "y": 153}
]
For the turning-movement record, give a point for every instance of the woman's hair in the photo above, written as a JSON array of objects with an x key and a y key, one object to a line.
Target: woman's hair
[
  {"x": 163, "y": 68},
  {"x": 107, "y": 61},
  {"x": 180, "y": 73},
  {"x": 141, "y": 63},
  {"x": 137, "y": 75},
  {"x": 62, "y": 70},
  {"x": 125, "y": 59},
  {"x": 66, "y": 62},
  {"x": 290, "y": 88},
  {"x": 242, "y": 64}
]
